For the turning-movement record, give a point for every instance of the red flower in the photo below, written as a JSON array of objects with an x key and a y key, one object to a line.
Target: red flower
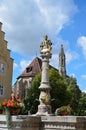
[
  {"x": 13, "y": 105},
  {"x": 4, "y": 103}
]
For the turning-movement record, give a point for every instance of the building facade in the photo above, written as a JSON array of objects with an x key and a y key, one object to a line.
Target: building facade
[
  {"x": 24, "y": 80},
  {"x": 6, "y": 68}
]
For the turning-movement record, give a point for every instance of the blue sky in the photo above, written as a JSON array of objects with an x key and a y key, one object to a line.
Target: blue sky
[{"x": 25, "y": 22}]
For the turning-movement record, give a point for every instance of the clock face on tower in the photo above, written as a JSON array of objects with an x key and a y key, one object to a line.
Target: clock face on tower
[{"x": 2, "y": 68}]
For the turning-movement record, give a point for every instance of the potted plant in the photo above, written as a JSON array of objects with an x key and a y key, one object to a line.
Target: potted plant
[
  {"x": 15, "y": 106},
  {"x": 64, "y": 110}
]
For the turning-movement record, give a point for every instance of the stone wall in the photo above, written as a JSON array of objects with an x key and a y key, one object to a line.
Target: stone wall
[
  {"x": 23, "y": 122},
  {"x": 64, "y": 123}
]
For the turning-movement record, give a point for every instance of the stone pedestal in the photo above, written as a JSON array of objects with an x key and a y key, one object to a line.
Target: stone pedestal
[{"x": 44, "y": 110}]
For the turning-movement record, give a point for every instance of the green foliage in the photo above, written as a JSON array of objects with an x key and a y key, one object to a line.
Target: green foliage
[
  {"x": 31, "y": 102},
  {"x": 30, "y": 105},
  {"x": 35, "y": 86},
  {"x": 58, "y": 89},
  {"x": 1, "y": 108},
  {"x": 62, "y": 93},
  {"x": 74, "y": 93},
  {"x": 82, "y": 105}
]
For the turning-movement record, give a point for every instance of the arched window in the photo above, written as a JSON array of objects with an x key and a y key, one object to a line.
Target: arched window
[{"x": 1, "y": 90}]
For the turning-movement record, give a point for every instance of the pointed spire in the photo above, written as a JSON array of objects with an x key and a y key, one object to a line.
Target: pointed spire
[
  {"x": 61, "y": 50},
  {"x": 62, "y": 62}
]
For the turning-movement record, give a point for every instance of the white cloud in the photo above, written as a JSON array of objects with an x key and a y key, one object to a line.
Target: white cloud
[
  {"x": 84, "y": 77},
  {"x": 24, "y": 64},
  {"x": 54, "y": 60},
  {"x": 72, "y": 75},
  {"x": 25, "y": 22},
  {"x": 71, "y": 55},
  {"x": 84, "y": 91},
  {"x": 15, "y": 66},
  {"x": 82, "y": 42}
]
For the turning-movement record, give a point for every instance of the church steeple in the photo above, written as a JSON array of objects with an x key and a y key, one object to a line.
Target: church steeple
[{"x": 62, "y": 62}]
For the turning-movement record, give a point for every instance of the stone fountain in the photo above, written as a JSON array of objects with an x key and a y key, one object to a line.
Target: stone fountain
[{"x": 44, "y": 107}]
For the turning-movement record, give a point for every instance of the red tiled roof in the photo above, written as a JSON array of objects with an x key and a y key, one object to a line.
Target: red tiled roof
[{"x": 34, "y": 68}]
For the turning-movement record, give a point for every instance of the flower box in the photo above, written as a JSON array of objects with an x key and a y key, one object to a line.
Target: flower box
[{"x": 15, "y": 111}]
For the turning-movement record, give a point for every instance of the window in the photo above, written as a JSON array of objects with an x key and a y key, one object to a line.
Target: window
[
  {"x": 28, "y": 69},
  {"x": 1, "y": 90},
  {"x": 2, "y": 68}
]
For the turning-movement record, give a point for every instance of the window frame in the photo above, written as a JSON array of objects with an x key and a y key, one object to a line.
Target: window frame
[{"x": 1, "y": 90}]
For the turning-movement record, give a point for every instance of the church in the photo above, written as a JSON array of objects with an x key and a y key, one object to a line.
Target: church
[{"x": 24, "y": 80}]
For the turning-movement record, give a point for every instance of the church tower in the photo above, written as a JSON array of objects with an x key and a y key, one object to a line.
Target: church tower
[{"x": 62, "y": 62}]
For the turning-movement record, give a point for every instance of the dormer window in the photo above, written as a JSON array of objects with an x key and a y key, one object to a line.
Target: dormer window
[{"x": 28, "y": 69}]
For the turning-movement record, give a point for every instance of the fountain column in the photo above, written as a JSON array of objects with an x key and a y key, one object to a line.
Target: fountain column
[{"x": 44, "y": 107}]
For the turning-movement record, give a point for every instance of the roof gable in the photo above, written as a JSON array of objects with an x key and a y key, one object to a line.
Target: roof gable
[{"x": 32, "y": 69}]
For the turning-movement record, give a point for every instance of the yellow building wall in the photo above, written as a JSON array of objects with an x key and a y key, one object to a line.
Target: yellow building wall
[{"x": 6, "y": 75}]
